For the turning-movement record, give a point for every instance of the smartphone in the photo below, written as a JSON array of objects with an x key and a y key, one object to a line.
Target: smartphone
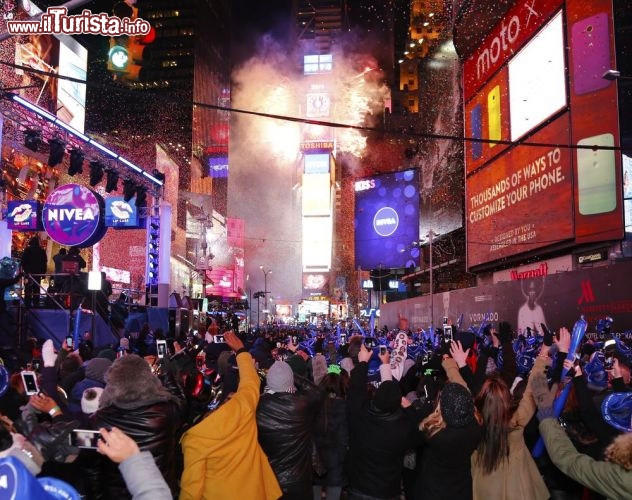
[
  {"x": 84, "y": 438},
  {"x": 383, "y": 350},
  {"x": 476, "y": 116},
  {"x": 596, "y": 177},
  {"x": 343, "y": 338},
  {"x": 493, "y": 115},
  {"x": 445, "y": 320},
  {"x": 29, "y": 379},
  {"x": 590, "y": 48},
  {"x": 447, "y": 333},
  {"x": 219, "y": 339},
  {"x": 36, "y": 364},
  {"x": 294, "y": 340},
  {"x": 279, "y": 345},
  {"x": 161, "y": 348},
  {"x": 69, "y": 341}
]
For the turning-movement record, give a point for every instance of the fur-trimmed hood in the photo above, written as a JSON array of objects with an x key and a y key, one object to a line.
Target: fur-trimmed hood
[
  {"x": 130, "y": 383},
  {"x": 620, "y": 451}
]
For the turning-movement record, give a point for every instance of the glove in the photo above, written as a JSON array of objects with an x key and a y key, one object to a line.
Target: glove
[
  {"x": 543, "y": 396},
  {"x": 49, "y": 356}
]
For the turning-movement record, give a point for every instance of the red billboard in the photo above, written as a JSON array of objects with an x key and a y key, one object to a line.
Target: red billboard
[
  {"x": 536, "y": 86},
  {"x": 524, "y": 201}
]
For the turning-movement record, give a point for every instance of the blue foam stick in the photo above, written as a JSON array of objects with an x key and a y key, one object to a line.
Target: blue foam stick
[
  {"x": 355, "y": 322},
  {"x": 75, "y": 333},
  {"x": 579, "y": 330}
]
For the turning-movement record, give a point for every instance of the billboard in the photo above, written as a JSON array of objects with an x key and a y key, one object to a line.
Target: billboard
[
  {"x": 386, "y": 220},
  {"x": 24, "y": 215},
  {"x": 120, "y": 213},
  {"x": 553, "y": 176}
]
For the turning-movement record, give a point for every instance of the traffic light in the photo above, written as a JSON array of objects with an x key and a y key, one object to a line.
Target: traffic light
[{"x": 128, "y": 53}]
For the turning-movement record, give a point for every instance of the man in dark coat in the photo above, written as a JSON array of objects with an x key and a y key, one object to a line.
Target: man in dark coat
[
  {"x": 34, "y": 262},
  {"x": 380, "y": 433}
]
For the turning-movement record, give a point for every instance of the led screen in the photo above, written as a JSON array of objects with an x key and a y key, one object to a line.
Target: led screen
[
  {"x": 23, "y": 215},
  {"x": 317, "y": 243},
  {"x": 120, "y": 213},
  {"x": 317, "y": 163},
  {"x": 537, "y": 80},
  {"x": 71, "y": 95},
  {"x": 218, "y": 167},
  {"x": 387, "y": 220},
  {"x": 316, "y": 194}
]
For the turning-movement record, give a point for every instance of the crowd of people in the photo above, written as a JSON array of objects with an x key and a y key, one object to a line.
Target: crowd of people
[{"x": 307, "y": 413}]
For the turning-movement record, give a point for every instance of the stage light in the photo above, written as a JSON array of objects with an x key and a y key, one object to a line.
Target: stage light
[
  {"x": 141, "y": 196},
  {"x": 32, "y": 138},
  {"x": 129, "y": 189},
  {"x": 111, "y": 184},
  {"x": 96, "y": 172},
  {"x": 57, "y": 150},
  {"x": 76, "y": 162},
  {"x": 153, "y": 242}
]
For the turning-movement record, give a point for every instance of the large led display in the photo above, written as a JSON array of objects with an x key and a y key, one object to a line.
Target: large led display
[
  {"x": 537, "y": 80},
  {"x": 316, "y": 194},
  {"x": 71, "y": 95},
  {"x": 317, "y": 241},
  {"x": 387, "y": 220}
]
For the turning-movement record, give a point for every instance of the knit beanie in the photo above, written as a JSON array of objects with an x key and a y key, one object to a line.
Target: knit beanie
[
  {"x": 280, "y": 378},
  {"x": 90, "y": 400},
  {"x": 107, "y": 354},
  {"x": 96, "y": 368},
  {"x": 457, "y": 405},
  {"x": 388, "y": 396}
]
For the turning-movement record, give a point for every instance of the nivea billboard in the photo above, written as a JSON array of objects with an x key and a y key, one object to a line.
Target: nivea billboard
[
  {"x": 72, "y": 216},
  {"x": 387, "y": 220}
]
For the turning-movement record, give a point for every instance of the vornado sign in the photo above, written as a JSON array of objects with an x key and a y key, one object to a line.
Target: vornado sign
[
  {"x": 72, "y": 215},
  {"x": 385, "y": 221}
]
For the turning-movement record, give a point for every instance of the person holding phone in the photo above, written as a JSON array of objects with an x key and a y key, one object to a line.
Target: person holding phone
[{"x": 208, "y": 451}]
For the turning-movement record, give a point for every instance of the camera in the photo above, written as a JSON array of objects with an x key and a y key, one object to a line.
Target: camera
[
  {"x": 29, "y": 379},
  {"x": 84, "y": 438},
  {"x": 383, "y": 350}
]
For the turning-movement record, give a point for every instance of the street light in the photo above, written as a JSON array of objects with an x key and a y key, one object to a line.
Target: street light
[{"x": 265, "y": 283}]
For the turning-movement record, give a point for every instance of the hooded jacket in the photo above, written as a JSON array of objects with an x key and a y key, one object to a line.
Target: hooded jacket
[
  {"x": 222, "y": 458},
  {"x": 135, "y": 401}
]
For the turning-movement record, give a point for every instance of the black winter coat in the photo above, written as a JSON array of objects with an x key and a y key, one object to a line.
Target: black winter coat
[
  {"x": 285, "y": 423},
  {"x": 332, "y": 440},
  {"x": 378, "y": 441},
  {"x": 156, "y": 428}
]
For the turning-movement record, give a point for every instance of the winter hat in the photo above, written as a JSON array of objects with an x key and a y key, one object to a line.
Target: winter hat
[
  {"x": 616, "y": 409},
  {"x": 596, "y": 376},
  {"x": 19, "y": 482},
  {"x": 90, "y": 399},
  {"x": 96, "y": 368},
  {"x": 388, "y": 396},
  {"x": 457, "y": 405},
  {"x": 280, "y": 378},
  {"x": 298, "y": 365}
]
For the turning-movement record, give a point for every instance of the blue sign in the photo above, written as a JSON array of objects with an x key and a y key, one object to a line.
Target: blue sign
[
  {"x": 23, "y": 215},
  {"x": 387, "y": 220},
  {"x": 120, "y": 213}
]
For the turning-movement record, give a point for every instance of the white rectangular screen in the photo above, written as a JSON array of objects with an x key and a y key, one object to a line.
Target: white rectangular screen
[{"x": 537, "y": 84}]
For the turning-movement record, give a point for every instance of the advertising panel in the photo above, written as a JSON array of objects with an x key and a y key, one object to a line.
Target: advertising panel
[
  {"x": 72, "y": 216},
  {"x": 71, "y": 95},
  {"x": 518, "y": 25},
  {"x": 317, "y": 238},
  {"x": 387, "y": 220},
  {"x": 315, "y": 284},
  {"x": 120, "y": 213},
  {"x": 23, "y": 215},
  {"x": 523, "y": 200}
]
